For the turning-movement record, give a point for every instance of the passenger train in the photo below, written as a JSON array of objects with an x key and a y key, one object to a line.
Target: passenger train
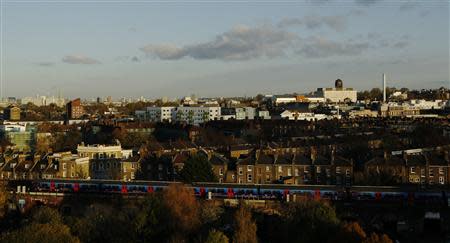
[{"x": 404, "y": 194}]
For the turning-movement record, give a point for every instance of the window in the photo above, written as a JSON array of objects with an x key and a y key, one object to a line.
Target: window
[
  {"x": 441, "y": 171},
  {"x": 240, "y": 171},
  {"x": 296, "y": 172},
  {"x": 240, "y": 181},
  {"x": 267, "y": 168},
  {"x": 221, "y": 171},
  {"x": 221, "y": 180},
  {"x": 280, "y": 169},
  {"x": 160, "y": 167},
  {"x": 347, "y": 173},
  {"x": 412, "y": 170},
  {"x": 306, "y": 169},
  {"x": 338, "y": 170},
  {"x": 318, "y": 169},
  {"x": 289, "y": 172},
  {"x": 267, "y": 178},
  {"x": 430, "y": 173},
  {"x": 441, "y": 180},
  {"x": 249, "y": 168},
  {"x": 249, "y": 177},
  {"x": 422, "y": 172}
]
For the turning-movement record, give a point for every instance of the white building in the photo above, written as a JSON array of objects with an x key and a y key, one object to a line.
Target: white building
[
  {"x": 157, "y": 114},
  {"x": 243, "y": 113},
  {"x": 196, "y": 115},
  {"x": 304, "y": 116},
  {"x": 338, "y": 94},
  {"x": 278, "y": 100},
  {"x": 193, "y": 115},
  {"x": 98, "y": 151}
]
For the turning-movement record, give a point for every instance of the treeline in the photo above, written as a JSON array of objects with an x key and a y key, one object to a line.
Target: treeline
[{"x": 175, "y": 215}]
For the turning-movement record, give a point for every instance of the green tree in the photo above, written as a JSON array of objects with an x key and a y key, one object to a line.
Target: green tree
[
  {"x": 314, "y": 218},
  {"x": 216, "y": 236},
  {"x": 35, "y": 232},
  {"x": 45, "y": 225},
  {"x": 197, "y": 169}
]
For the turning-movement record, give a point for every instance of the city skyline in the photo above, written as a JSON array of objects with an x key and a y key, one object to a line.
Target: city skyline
[{"x": 218, "y": 48}]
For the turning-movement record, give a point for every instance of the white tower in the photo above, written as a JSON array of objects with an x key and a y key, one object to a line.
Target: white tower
[{"x": 384, "y": 88}]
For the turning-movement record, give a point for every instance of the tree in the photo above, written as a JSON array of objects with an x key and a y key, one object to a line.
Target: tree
[
  {"x": 350, "y": 233},
  {"x": 245, "y": 228},
  {"x": 182, "y": 207},
  {"x": 197, "y": 169},
  {"x": 4, "y": 195},
  {"x": 151, "y": 223},
  {"x": 45, "y": 225},
  {"x": 313, "y": 218},
  {"x": 216, "y": 236},
  {"x": 48, "y": 233},
  {"x": 375, "y": 238}
]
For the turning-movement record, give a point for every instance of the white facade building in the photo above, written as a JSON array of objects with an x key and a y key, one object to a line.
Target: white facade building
[
  {"x": 99, "y": 151},
  {"x": 157, "y": 114},
  {"x": 193, "y": 115},
  {"x": 304, "y": 116},
  {"x": 338, "y": 94},
  {"x": 196, "y": 115}
]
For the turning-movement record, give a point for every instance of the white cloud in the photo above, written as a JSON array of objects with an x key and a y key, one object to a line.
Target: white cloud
[
  {"x": 240, "y": 43},
  {"x": 79, "y": 59}
]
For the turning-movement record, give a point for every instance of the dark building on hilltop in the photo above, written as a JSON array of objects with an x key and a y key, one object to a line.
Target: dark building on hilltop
[{"x": 74, "y": 109}]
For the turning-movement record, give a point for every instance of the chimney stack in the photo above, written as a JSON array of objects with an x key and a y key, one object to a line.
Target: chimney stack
[{"x": 384, "y": 88}]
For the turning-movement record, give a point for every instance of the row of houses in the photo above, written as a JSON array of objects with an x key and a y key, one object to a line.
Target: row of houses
[
  {"x": 90, "y": 162},
  {"x": 307, "y": 166}
]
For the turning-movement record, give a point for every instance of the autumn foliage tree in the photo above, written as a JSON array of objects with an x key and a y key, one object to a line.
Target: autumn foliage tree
[
  {"x": 182, "y": 207},
  {"x": 245, "y": 227}
]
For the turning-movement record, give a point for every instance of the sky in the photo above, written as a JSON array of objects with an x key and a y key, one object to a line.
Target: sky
[{"x": 210, "y": 48}]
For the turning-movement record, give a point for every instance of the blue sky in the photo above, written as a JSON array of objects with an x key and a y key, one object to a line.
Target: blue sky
[{"x": 220, "y": 48}]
